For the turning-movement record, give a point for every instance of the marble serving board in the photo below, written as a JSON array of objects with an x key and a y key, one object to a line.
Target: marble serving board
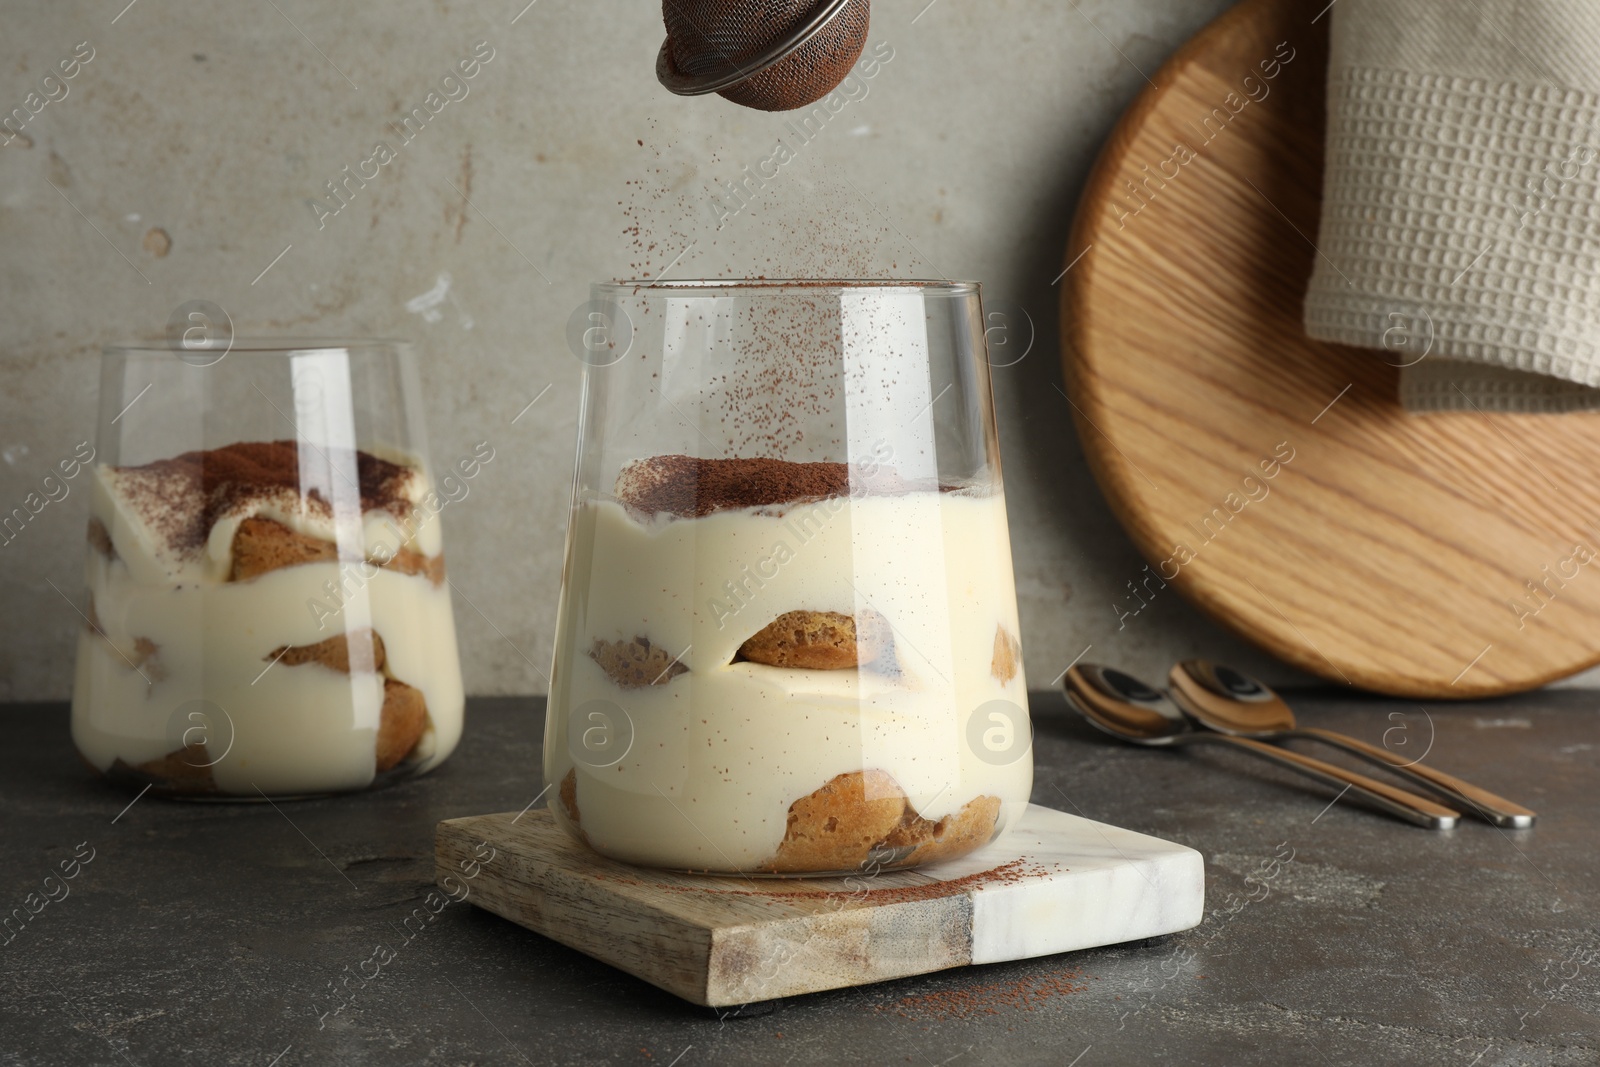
[{"x": 1056, "y": 883}]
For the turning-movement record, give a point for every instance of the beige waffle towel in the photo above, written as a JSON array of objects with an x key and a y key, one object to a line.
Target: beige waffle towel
[{"x": 1460, "y": 229}]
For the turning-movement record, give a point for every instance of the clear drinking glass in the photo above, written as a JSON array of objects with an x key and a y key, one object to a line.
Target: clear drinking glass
[
  {"x": 787, "y": 639},
  {"x": 267, "y": 613}
]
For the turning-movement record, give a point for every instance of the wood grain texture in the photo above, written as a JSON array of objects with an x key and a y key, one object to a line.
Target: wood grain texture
[
  {"x": 1055, "y": 883},
  {"x": 713, "y": 941},
  {"x": 1393, "y": 552}
]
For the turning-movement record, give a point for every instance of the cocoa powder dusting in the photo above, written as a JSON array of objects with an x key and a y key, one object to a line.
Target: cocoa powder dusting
[
  {"x": 785, "y": 356},
  {"x": 1027, "y": 993},
  {"x": 690, "y": 487},
  {"x": 693, "y": 209},
  {"x": 183, "y": 497}
]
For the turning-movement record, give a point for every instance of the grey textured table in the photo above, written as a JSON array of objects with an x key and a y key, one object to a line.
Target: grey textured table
[{"x": 212, "y": 934}]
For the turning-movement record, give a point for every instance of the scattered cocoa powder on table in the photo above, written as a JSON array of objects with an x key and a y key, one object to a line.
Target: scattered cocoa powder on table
[{"x": 1026, "y": 993}]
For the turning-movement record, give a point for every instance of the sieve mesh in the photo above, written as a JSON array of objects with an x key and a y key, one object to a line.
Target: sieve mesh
[{"x": 706, "y": 37}]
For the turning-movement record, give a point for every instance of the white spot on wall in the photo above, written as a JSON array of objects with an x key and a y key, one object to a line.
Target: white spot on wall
[{"x": 427, "y": 304}]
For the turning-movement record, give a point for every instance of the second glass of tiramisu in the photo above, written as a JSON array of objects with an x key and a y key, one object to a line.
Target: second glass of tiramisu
[
  {"x": 787, "y": 641},
  {"x": 267, "y": 613}
]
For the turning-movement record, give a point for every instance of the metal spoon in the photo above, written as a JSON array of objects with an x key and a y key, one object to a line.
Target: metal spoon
[
  {"x": 1232, "y": 702},
  {"x": 1125, "y": 707}
]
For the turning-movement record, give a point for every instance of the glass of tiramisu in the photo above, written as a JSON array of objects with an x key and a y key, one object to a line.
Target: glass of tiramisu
[
  {"x": 787, "y": 640},
  {"x": 267, "y": 612}
]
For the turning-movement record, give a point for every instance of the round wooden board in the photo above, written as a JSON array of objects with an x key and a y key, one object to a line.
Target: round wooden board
[{"x": 1392, "y": 551}]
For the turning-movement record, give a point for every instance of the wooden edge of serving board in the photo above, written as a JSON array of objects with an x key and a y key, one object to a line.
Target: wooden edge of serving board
[
  {"x": 1406, "y": 554},
  {"x": 1055, "y": 883}
]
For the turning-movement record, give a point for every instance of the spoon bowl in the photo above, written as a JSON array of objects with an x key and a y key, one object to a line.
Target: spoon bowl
[
  {"x": 1233, "y": 703},
  {"x": 1225, "y": 699},
  {"x": 1126, "y": 708}
]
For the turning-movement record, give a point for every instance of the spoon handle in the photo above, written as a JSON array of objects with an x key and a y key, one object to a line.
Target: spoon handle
[
  {"x": 1397, "y": 802},
  {"x": 1496, "y": 809}
]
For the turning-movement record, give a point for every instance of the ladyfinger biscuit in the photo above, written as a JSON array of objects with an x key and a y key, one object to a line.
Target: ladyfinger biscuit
[
  {"x": 837, "y": 827},
  {"x": 363, "y": 646},
  {"x": 637, "y": 663},
  {"x": 187, "y": 770},
  {"x": 400, "y": 726},
  {"x": 184, "y": 771},
  {"x": 263, "y": 545},
  {"x": 146, "y": 659},
  {"x": 100, "y": 538},
  {"x": 568, "y": 794},
  {"x": 408, "y": 561},
  {"x": 404, "y": 716},
  {"x": 954, "y": 835},
  {"x": 820, "y": 640},
  {"x": 1007, "y": 655}
]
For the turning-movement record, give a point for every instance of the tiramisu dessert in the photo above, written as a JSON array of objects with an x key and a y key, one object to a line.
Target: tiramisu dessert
[
  {"x": 265, "y": 618},
  {"x": 790, "y": 654}
]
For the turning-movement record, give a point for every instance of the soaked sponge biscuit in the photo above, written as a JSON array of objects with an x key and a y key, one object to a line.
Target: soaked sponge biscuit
[
  {"x": 637, "y": 663},
  {"x": 404, "y": 716},
  {"x": 100, "y": 538},
  {"x": 264, "y": 545},
  {"x": 400, "y": 724},
  {"x": 568, "y": 797},
  {"x": 183, "y": 772},
  {"x": 407, "y": 561},
  {"x": 837, "y": 827},
  {"x": 821, "y": 640},
  {"x": 188, "y": 770},
  {"x": 864, "y": 817},
  {"x": 954, "y": 835},
  {"x": 1007, "y": 660},
  {"x": 146, "y": 659},
  {"x": 363, "y": 646}
]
